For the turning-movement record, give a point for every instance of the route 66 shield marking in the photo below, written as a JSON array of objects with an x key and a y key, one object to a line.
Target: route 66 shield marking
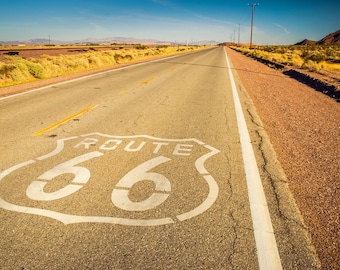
[{"x": 84, "y": 188}]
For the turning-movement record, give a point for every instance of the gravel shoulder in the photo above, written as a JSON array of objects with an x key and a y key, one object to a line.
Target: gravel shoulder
[{"x": 304, "y": 128}]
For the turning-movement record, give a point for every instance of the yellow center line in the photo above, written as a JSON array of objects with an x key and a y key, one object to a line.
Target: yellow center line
[
  {"x": 64, "y": 120},
  {"x": 147, "y": 81}
]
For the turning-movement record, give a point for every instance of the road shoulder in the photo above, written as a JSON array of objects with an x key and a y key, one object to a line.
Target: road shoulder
[{"x": 302, "y": 127}]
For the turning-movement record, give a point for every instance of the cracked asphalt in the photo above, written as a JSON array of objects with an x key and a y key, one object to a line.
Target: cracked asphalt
[{"x": 140, "y": 168}]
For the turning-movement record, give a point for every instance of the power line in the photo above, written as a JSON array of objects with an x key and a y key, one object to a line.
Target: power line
[{"x": 252, "y": 22}]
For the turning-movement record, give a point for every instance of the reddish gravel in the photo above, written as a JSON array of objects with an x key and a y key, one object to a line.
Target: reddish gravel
[{"x": 304, "y": 128}]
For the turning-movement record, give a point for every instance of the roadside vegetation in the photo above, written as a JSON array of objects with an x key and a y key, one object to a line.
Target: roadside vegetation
[
  {"x": 310, "y": 57},
  {"x": 16, "y": 70}
]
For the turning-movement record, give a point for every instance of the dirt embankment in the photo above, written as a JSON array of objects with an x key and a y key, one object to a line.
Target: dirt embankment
[{"x": 304, "y": 128}]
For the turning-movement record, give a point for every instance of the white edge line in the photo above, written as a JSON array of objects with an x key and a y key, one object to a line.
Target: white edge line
[
  {"x": 92, "y": 75},
  {"x": 267, "y": 251}
]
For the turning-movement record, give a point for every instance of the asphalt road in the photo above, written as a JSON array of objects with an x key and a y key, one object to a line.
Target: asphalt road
[{"x": 161, "y": 165}]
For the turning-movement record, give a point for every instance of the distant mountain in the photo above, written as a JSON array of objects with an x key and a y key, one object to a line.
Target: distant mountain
[
  {"x": 204, "y": 42},
  {"x": 306, "y": 42},
  {"x": 109, "y": 40},
  {"x": 37, "y": 41},
  {"x": 332, "y": 38},
  {"x": 122, "y": 40}
]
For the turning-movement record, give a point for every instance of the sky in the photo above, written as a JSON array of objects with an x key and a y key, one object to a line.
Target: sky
[{"x": 276, "y": 22}]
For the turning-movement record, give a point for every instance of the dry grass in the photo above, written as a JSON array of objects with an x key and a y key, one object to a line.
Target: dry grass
[
  {"x": 16, "y": 70},
  {"x": 311, "y": 57}
]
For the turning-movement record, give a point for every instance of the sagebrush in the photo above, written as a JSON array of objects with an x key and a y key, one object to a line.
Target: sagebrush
[{"x": 311, "y": 57}]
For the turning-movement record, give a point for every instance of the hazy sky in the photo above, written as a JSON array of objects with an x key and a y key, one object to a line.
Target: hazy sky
[{"x": 275, "y": 21}]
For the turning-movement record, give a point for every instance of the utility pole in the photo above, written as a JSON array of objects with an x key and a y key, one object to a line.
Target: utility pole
[
  {"x": 238, "y": 40},
  {"x": 252, "y": 22}
]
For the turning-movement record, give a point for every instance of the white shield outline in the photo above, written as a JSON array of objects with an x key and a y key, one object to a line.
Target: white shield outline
[{"x": 70, "y": 219}]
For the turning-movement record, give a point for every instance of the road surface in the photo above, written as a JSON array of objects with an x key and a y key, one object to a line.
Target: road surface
[{"x": 160, "y": 165}]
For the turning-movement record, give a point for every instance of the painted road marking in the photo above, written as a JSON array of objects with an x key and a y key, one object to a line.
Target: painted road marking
[
  {"x": 35, "y": 190},
  {"x": 98, "y": 147},
  {"x": 267, "y": 251},
  {"x": 147, "y": 81},
  {"x": 64, "y": 120},
  {"x": 120, "y": 194}
]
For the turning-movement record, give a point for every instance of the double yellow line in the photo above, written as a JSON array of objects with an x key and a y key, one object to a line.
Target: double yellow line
[{"x": 64, "y": 120}]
